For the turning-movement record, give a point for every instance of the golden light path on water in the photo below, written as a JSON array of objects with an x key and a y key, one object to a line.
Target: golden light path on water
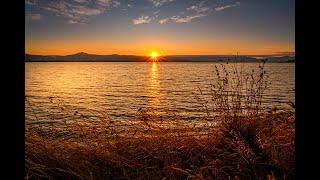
[{"x": 154, "y": 85}]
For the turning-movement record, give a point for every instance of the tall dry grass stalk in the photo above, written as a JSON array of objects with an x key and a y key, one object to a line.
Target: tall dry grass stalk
[{"x": 234, "y": 92}]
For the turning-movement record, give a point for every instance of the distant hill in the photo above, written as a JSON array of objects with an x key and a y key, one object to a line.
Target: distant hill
[
  {"x": 84, "y": 57},
  {"x": 282, "y": 59}
]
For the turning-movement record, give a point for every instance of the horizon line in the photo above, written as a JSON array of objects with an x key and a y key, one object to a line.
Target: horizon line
[{"x": 252, "y": 55}]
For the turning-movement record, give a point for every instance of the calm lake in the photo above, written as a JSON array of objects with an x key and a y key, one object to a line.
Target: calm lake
[{"x": 121, "y": 88}]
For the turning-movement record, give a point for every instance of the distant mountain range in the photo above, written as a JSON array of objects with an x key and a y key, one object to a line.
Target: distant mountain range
[{"x": 84, "y": 57}]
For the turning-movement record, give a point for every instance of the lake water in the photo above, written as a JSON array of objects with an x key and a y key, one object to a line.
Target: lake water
[{"x": 121, "y": 88}]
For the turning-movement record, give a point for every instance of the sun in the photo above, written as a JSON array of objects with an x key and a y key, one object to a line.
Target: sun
[{"x": 154, "y": 55}]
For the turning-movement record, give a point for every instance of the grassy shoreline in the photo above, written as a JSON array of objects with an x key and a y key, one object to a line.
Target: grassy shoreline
[{"x": 250, "y": 148}]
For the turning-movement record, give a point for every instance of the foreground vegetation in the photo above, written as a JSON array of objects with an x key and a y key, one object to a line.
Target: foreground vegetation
[{"x": 237, "y": 140}]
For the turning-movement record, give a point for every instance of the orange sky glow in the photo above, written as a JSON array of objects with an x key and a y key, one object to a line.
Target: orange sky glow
[{"x": 144, "y": 48}]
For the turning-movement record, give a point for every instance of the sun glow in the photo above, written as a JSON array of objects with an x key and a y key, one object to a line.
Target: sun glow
[{"x": 154, "y": 55}]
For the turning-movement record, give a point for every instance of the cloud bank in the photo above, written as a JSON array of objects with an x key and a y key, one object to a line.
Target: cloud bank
[{"x": 81, "y": 11}]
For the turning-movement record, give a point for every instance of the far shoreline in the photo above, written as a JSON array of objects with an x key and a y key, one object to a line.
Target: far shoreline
[
  {"x": 84, "y": 57},
  {"x": 289, "y": 62}
]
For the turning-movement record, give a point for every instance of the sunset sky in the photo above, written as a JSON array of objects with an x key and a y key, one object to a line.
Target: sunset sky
[{"x": 171, "y": 27}]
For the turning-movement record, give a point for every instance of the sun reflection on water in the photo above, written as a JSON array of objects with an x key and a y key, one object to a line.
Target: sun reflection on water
[{"x": 154, "y": 85}]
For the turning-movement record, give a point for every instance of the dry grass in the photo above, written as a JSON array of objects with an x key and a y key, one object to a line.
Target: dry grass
[{"x": 236, "y": 143}]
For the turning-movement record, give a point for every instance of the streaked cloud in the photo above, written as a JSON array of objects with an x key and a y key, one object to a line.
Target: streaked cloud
[
  {"x": 31, "y": 2},
  {"x": 197, "y": 11},
  {"x": 116, "y": 3},
  {"x": 185, "y": 19},
  {"x": 103, "y": 2},
  {"x": 79, "y": 11},
  {"x": 159, "y": 3},
  {"x": 220, "y": 8},
  {"x": 142, "y": 20},
  {"x": 199, "y": 8},
  {"x": 72, "y": 21},
  {"x": 73, "y": 13},
  {"x": 164, "y": 20},
  {"x": 81, "y": 1}
]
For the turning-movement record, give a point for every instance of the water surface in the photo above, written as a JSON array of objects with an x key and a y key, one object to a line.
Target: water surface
[{"x": 121, "y": 88}]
